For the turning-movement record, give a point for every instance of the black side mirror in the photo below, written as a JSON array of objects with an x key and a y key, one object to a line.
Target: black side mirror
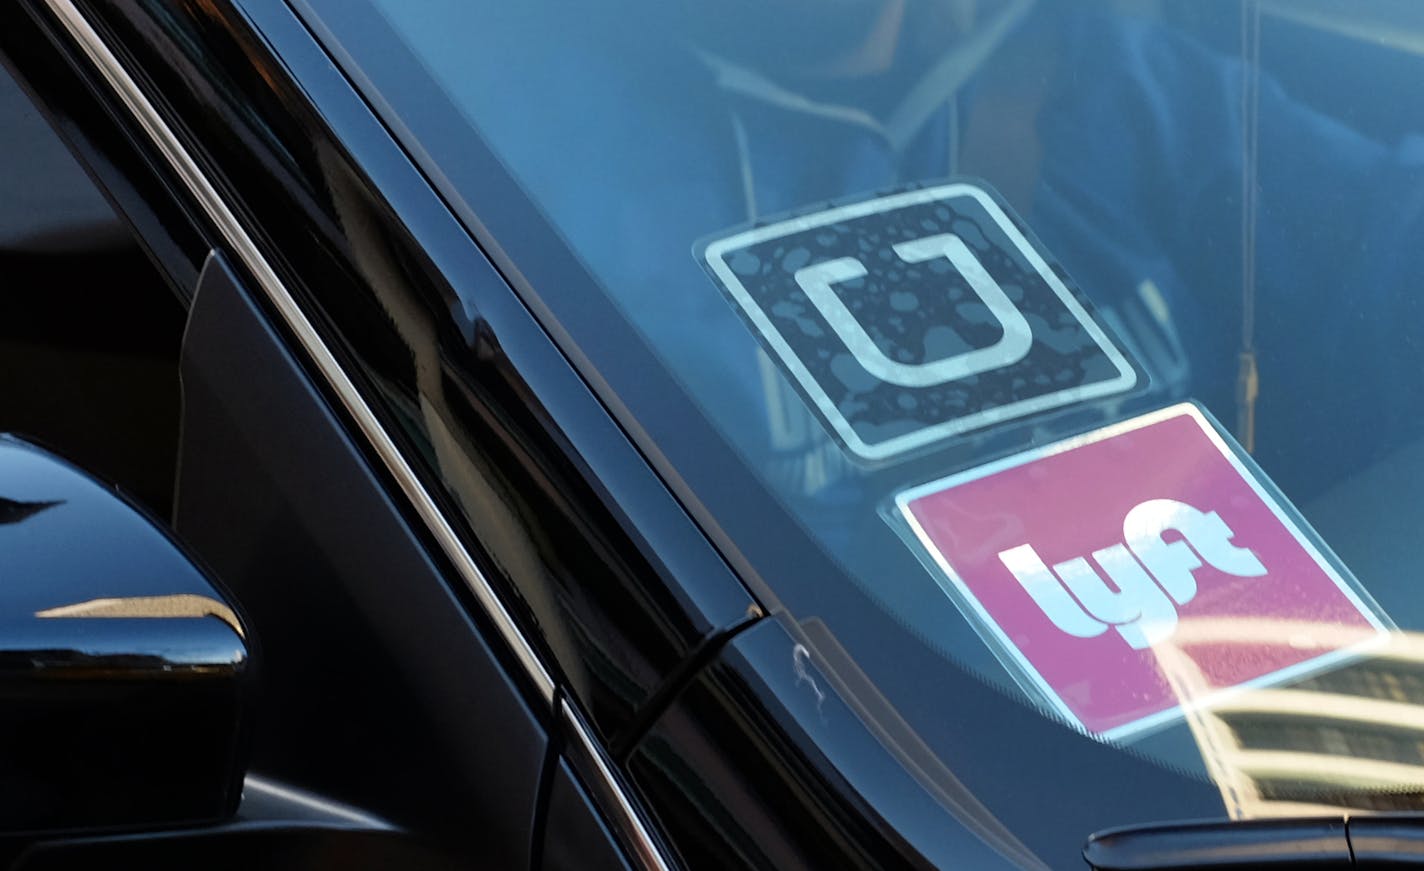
[{"x": 124, "y": 675}]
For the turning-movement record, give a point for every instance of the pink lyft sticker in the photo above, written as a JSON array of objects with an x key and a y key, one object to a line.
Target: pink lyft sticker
[{"x": 1137, "y": 571}]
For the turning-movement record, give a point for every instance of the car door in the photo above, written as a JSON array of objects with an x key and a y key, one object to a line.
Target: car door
[
  {"x": 366, "y": 716},
  {"x": 472, "y": 592}
]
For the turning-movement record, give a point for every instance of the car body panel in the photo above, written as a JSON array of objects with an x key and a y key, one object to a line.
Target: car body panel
[
  {"x": 361, "y": 627},
  {"x": 574, "y": 834}
]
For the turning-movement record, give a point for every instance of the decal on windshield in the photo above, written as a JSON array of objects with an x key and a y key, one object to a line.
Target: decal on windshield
[
  {"x": 1139, "y": 570},
  {"x": 910, "y": 318}
]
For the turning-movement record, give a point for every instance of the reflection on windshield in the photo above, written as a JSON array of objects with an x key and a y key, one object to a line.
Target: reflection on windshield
[{"x": 1346, "y": 741}]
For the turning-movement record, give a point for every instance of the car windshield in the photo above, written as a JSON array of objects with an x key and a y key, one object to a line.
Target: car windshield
[{"x": 1055, "y": 365}]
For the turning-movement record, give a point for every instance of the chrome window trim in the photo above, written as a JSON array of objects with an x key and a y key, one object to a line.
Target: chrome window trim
[
  {"x": 588, "y": 759},
  {"x": 609, "y": 788}
]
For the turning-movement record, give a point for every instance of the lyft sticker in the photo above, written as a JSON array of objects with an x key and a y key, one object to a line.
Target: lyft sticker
[
  {"x": 1139, "y": 570},
  {"x": 910, "y": 318}
]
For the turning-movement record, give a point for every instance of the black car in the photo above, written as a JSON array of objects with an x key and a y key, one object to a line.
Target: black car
[{"x": 872, "y": 433}]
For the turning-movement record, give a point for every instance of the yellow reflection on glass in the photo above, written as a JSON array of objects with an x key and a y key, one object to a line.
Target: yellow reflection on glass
[{"x": 1345, "y": 739}]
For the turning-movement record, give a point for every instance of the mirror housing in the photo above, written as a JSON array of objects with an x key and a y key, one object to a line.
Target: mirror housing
[{"x": 124, "y": 674}]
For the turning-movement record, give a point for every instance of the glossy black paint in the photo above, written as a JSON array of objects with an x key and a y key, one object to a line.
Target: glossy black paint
[
  {"x": 378, "y": 689},
  {"x": 125, "y": 681},
  {"x": 1230, "y": 846},
  {"x": 272, "y": 847},
  {"x": 574, "y": 836},
  {"x": 615, "y": 585},
  {"x": 1389, "y": 841},
  {"x": 277, "y": 826}
]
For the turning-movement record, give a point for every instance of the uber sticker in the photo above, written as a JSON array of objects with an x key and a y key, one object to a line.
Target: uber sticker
[
  {"x": 1137, "y": 571},
  {"x": 914, "y": 317}
]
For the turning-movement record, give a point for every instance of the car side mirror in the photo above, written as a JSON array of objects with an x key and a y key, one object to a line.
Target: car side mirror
[{"x": 124, "y": 674}]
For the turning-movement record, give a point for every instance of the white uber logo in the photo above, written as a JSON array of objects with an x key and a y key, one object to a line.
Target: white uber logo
[
  {"x": 910, "y": 318},
  {"x": 1010, "y": 348},
  {"x": 1152, "y": 576}
]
